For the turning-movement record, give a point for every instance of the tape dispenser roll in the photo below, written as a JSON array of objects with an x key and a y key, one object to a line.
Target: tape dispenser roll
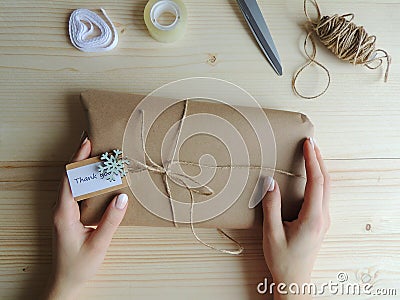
[{"x": 161, "y": 32}]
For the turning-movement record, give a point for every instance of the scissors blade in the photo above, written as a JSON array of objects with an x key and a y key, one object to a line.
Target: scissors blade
[{"x": 256, "y": 22}]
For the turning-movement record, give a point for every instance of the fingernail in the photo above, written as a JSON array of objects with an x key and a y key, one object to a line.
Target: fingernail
[
  {"x": 121, "y": 201},
  {"x": 312, "y": 142},
  {"x": 269, "y": 184},
  {"x": 84, "y": 141},
  {"x": 84, "y": 135}
]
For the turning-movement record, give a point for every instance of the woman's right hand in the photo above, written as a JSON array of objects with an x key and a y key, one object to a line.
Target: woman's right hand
[{"x": 290, "y": 248}]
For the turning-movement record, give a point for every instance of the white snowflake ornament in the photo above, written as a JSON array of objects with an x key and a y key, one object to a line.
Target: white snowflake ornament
[{"x": 113, "y": 165}]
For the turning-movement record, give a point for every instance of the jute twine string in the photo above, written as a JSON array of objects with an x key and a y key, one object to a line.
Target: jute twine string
[
  {"x": 167, "y": 174},
  {"x": 343, "y": 38}
]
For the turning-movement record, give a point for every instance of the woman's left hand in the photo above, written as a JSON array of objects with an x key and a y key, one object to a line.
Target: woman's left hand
[{"x": 78, "y": 251}]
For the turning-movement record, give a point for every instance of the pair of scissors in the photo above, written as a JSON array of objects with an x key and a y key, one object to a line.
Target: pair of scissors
[{"x": 256, "y": 22}]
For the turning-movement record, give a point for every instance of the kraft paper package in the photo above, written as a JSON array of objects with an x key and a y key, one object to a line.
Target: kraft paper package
[{"x": 111, "y": 127}]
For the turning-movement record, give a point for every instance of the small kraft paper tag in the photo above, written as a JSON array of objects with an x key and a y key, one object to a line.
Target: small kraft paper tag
[{"x": 87, "y": 181}]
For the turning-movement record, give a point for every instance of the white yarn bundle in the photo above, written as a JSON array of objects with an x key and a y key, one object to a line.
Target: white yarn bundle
[{"x": 82, "y": 25}]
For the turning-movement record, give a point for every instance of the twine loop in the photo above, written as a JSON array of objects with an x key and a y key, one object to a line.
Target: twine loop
[
  {"x": 168, "y": 174},
  {"x": 344, "y": 39},
  {"x": 202, "y": 189}
]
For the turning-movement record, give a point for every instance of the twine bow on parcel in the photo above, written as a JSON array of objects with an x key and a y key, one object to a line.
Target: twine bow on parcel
[{"x": 167, "y": 175}]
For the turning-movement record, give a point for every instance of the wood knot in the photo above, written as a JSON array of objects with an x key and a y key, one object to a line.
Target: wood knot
[
  {"x": 368, "y": 227},
  {"x": 367, "y": 276},
  {"x": 212, "y": 59},
  {"x": 120, "y": 26}
]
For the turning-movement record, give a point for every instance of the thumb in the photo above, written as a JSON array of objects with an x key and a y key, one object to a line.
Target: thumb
[
  {"x": 272, "y": 209},
  {"x": 112, "y": 217}
]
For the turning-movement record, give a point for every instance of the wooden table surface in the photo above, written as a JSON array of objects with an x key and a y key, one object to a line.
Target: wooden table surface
[{"x": 357, "y": 124}]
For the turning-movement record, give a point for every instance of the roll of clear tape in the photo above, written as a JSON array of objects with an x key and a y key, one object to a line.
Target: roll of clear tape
[{"x": 165, "y": 33}]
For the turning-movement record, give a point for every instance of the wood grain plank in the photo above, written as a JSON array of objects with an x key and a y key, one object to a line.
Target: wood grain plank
[
  {"x": 351, "y": 112},
  {"x": 365, "y": 195},
  {"x": 180, "y": 269},
  {"x": 357, "y": 124}
]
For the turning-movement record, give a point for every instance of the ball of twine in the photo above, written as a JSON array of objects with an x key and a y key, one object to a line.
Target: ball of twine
[{"x": 345, "y": 40}]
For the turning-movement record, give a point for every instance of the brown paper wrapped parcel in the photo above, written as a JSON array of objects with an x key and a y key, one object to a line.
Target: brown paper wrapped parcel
[{"x": 108, "y": 115}]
